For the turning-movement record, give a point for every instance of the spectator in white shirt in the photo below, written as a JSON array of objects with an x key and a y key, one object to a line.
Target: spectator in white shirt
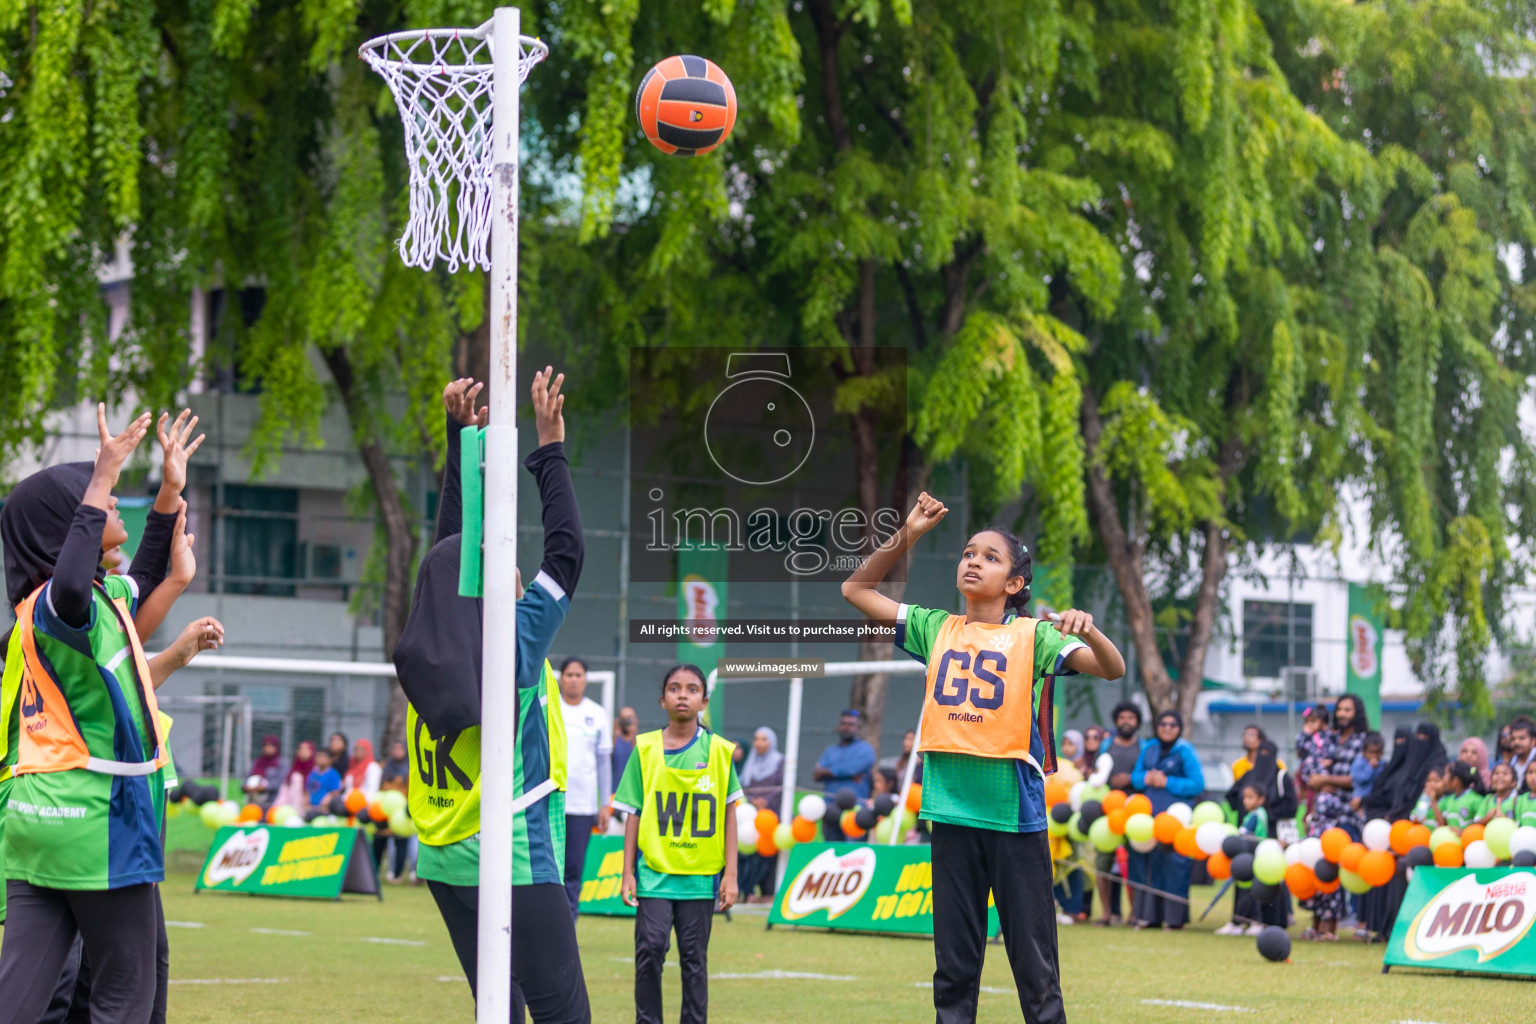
[{"x": 589, "y": 771}]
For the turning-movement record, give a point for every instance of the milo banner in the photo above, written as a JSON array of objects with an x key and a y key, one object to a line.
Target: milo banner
[
  {"x": 1362, "y": 672},
  {"x": 601, "y": 877},
  {"x": 319, "y": 863},
  {"x": 1467, "y": 919},
  {"x": 860, "y": 887}
]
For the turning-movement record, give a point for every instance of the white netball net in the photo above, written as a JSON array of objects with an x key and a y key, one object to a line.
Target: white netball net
[{"x": 441, "y": 80}]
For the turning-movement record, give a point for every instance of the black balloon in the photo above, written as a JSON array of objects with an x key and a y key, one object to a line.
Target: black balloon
[
  {"x": 864, "y": 817},
  {"x": 833, "y": 816},
  {"x": 1419, "y": 857},
  {"x": 362, "y": 816},
  {"x": 1326, "y": 870},
  {"x": 1524, "y": 859},
  {"x": 1266, "y": 893},
  {"x": 1242, "y": 867},
  {"x": 1251, "y": 843},
  {"x": 885, "y": 803},
  {"x": 1233, "y": 845},
  {"x": 1274, "y": 944},
  {"x": 1090, "y": 811},
  {"x": 1061, "y": 813},
  {"x": 207, "y": 794},
  {"x": 337, "y": 806},
  {"x": 175, "y": 795},
  {"x": 846, "y": 798},
  {"x": 312, "y": 813}
]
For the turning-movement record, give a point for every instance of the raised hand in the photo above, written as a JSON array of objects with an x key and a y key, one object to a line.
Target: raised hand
[
  {"x": 176, "y": 450},
  {"x": 549, "y": 405},
  {"x": 183, "y": 561},
  {"x": 459, "y": 399},
  {"x": 925, "y": 515},
  {"x": 1073, "y": 622},
  {"x": 206, "y": 634},
  {"x": 115, "y": 449}
]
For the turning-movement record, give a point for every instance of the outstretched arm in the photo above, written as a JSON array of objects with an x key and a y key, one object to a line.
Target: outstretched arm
[
  {"x": 206, "y": 634},
  {"x": 1102, "y": 658},
  {"x": 459, "y": 401},
  {"x": 859, "y": 588},
  {"x": 153, "y": 609}
]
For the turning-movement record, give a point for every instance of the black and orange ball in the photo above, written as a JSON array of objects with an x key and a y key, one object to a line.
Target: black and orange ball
[{"x": 686, "y": 105}]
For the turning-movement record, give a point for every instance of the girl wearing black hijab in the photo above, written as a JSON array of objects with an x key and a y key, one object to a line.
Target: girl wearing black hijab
[
  {"x": 1168, "y": 771},
  {"x": 1393, "y": 798}
]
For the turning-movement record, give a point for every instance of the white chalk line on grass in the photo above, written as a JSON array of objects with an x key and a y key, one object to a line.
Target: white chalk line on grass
[
  {"x": 229, "y": 981},
  {"x": 391, "y": 942},
  {"x": 777, "y": 975},
  {"x": 450, "y": 977},
  {"x": 1189, "y": 1005},
  {"x": 278, "y": 931},
  {"x": 985, "y": 988},
  {"x": 185, "y": 924},
  {"x": 1415, "y": 1022}
]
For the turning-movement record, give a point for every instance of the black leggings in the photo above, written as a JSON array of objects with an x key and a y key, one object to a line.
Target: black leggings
[
  {"x": 381, "y": 841},
  {"x": 546, "y": 966},
  {"x": 71, "y": 1000},
  {"x": 118, "y": 929}
]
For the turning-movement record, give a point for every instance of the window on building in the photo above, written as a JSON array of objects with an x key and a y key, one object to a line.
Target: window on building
[
  {"x": 1275, "y": 634},
  {"x": 261, "y": 539}
]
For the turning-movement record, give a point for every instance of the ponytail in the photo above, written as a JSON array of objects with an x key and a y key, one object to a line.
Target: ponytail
[{"x": 1020, "y": 565}]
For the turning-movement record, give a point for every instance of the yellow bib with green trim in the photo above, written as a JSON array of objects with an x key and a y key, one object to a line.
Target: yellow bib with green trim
[
  {"x": 559, "y": 760},
  {"x": 682, "y": 825}
]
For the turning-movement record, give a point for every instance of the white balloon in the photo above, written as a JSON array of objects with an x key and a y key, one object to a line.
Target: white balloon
[
  {"x": 813, "y": 807},
  {"x": 1183, "y": 812},
  {"x": 1477, "y": 855},
  {"x": 1293, "y": 854},
  {"x": 746, "y": 835},
  {"x": 1268, "y": 844},
  {"x": 1146, "y": 846},
  {"x": 1377, "y": 834},
  {"x": 1311, "y": 850},
  {"x": 1209, "y": 836},
  {"x": 746, "y": 814},
  {"x": 1075, "y": 795},
  {"x": 1523, "y": 839}
]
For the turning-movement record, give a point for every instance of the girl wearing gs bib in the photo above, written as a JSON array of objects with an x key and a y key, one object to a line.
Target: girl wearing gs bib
[{"x": 986, "y": 738}]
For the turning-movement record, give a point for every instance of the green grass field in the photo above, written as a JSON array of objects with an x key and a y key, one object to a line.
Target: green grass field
[{"x": 235, "y": 959}]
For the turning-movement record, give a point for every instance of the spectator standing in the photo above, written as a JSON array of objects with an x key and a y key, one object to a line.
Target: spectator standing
[
  {"x": 1093, "y": 744},
  {"x": 1501, "y": 747},
  {"x": 1394, "y": 795},
  {"x": 322, "y": 780},
  {"x": 338, "y": 745},
  {"x": 1367, "y": 769},
  {"x": 1116, "y": 761},
  {"x": 1168, "y": 771},
  {"x": 625, "y": 728},
  {"x": 846, "y": 764},
  {"x": 1252, "y": 737},
  {"x": 1332, "y": 784},
  {"x": 364, "y": 772},
  {"x": 589, "y": 771},
  {"x": 394, "y": 775},
  {"x": 1474, "y": 754},
  {"x": 762, "y": 783},
  {"x": 1522, "y": 745}
]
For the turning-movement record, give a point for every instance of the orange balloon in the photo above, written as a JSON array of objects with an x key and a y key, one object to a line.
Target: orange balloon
[
  {"x": 1332, "y": 886},
  {"x": 1113, "y": 801},
  {"x": 356, "y": 801},
  {"x": 804, "y": 831},
  {"x": 1055, "y": 791},
  {"x": 1334, "y": 842},
  {"x": 1469, "y": 834},
  {"x": 1448, "y": 855},
  {"x": 850, "y": 825},
  {"x": 1377, "y": 867},
  {"x": 1301, "y": 881},
  {"x": 1184, "y": 843},
  {"x": 1418, "y": 835},
  {"x": 1117, "y": 821},
  {"x": 766, "y": 822},
  {"x": 270, "y": 812},
  {"x": 1219, "y": 866},
  {"x": 1138, "y": 804},
  {"x": 915, "y": 798},
  {"x": 1400, "y": 836},
  {"x": 1349, "y": 860},
  {"x": 376, "y": 812},
  {"x": 765, "y": 845},
  {"x": 250, "y": 812},
  {"x": 1166, "y": 828}
]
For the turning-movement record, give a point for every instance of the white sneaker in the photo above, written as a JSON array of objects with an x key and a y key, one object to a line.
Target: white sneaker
[
  {"x": 1064, "y": 919},
  {"x": 1230, "y": 928},
  {"x": 1255, "y": 929}
]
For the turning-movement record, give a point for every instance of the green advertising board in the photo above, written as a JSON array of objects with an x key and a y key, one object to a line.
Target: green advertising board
[
  {"x": 1467, "y": 919},
  {"x": 316, "y": 863},
  {"x": 601, "y": 877},
  {"x": 860, "y": 887}
]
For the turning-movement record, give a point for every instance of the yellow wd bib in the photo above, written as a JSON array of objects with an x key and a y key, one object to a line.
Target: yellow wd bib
[{"x": 682, "y": 825}]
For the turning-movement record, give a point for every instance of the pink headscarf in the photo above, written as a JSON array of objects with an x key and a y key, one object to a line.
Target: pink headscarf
[{"x": 1480, "y": 765}]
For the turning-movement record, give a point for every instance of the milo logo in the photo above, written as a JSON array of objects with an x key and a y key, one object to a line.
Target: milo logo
[
  {"x": 240, "y": 855},
  {"x": 832, "y": 882},
  {"x": 1363, "y": 639},
  {"x": 1489, "y": 917}
]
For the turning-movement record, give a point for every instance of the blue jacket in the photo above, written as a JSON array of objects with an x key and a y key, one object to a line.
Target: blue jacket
[
  {"x": 1186, "y": 780},
  {"x": 850, "y": 765}
]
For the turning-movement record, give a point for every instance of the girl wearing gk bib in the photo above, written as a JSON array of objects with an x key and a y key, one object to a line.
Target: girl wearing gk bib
[{"x": 986, "y": 736}]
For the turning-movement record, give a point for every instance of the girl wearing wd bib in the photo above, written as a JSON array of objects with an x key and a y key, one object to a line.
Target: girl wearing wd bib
[
  {"x": 986, "y": 739},
  {"x": 680, "y": 793}
]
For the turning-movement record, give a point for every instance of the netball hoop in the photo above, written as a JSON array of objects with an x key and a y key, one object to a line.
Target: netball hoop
[{"x": 457, "y": 92}]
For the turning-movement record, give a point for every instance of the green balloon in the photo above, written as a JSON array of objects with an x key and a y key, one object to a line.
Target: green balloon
[
  {"x": 1138, "y": 828},
  {"x": 281, "y": 813},
  {"x": 1269, "y": 866},
  {"x": 228, "y": 812},
  {"x": 401, "y": 824},
  {"x": 1102, "y": 838},
  {"x": 209, "y": 813},
  {"x": 1207, "y": 810},
  {"x": 1497, "y": 834},
  {"x": 1076, "y": 834},
  {"x": 1055, "y": 828},
  {"x": 908, "y": 821},
  {"x": 1442, "y": 835},
  {"x": 1353, "y": 882},
  {"x": 784, "y": 835},
  {"x": 173, "y": 809},
  {"x": 392, "y": 800},
  {"x": 882, "y": 833},
  {"x": 1095, "y": 793}
]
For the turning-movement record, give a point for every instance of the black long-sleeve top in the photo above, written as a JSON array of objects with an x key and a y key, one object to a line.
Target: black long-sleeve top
[{"x": 75, "y": 571}]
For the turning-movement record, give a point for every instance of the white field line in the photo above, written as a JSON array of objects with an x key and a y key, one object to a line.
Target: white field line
[
  {"x": 1188, "y": 1005},
  {"x": 450, "y": 977},
  {"x": 185, "y": 924},
  {"x": 278, "y": 931},
  {"x": 985, "y": 988},
  {"x": 391, "y": 942},
  {"x": 776, "y": 975}
]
